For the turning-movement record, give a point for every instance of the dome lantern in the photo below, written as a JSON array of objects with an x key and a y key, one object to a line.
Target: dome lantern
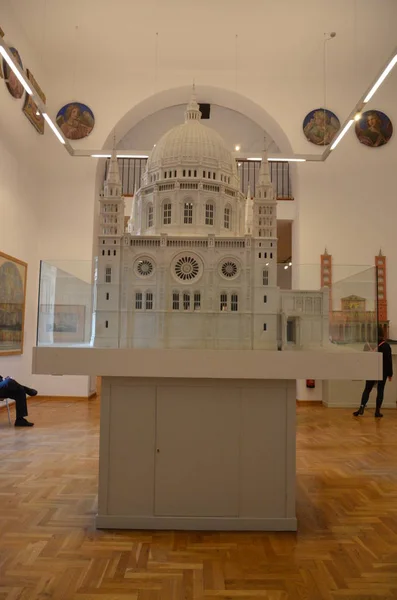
[{"x": 193, "y": 112}]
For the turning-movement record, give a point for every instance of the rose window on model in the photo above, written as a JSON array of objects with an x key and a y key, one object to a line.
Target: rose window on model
[
  {"x": 144, "y": 267},
  {"x": 187, "y": 268},
  {"x": 229, "y": 269}
]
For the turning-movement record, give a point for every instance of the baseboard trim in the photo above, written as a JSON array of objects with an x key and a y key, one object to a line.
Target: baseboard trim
[
  {"x": 195, "y": 523},
  {"x": 309, "y": 402},
  {"x": 64, "y": 398}
]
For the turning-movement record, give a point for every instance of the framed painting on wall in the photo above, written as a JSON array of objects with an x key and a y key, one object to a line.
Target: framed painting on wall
[
  {"x": 30, "y": 108},
  {"x": 320, "y": 126},
  {"x": 13, "y": 274},
  {"x": 75, "y": 120},
  {"x": 14, "y": 86},
  {"x": 66, "y": 322}
]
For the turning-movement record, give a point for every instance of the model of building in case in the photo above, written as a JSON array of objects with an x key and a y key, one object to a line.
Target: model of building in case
[{"x": 197, "y": 267}]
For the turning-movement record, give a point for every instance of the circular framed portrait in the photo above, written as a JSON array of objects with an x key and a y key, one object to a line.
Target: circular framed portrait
[
  {"x": 75, "y": 120},
  {"x": 320, "y": 126},
  {"x": 13, "y": 84},
  {"x": 374, "y": 128}
]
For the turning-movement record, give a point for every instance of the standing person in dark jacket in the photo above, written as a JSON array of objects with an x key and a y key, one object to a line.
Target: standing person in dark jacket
[
  {"x": 387, "y": 364},
  {"x": 9, "y": 388}
]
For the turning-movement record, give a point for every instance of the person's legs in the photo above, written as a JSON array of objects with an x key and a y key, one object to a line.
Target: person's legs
[
  {"x": 364, "y": 398},
  {"x": 379, "y": 396},
  {"x": 16, "y": 392}
]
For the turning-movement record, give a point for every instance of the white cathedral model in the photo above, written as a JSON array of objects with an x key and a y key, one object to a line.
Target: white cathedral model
[{"x": 198, "y": 265}]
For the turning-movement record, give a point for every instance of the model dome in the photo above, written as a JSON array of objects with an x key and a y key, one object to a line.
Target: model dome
[{"x": 192, "y": 143}]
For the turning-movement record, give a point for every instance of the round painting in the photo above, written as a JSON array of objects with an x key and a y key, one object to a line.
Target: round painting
[
  {"x": 374, "y": 128},
  {"x": 14, "y": 86},
  {"x": 320, "y": 126},
  {"x": 75, "y": 120}
]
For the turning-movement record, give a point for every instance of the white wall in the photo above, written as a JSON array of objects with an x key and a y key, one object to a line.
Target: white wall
[
  {"x": 232, "y": 126},
  {"x": 33, "y": 207}
]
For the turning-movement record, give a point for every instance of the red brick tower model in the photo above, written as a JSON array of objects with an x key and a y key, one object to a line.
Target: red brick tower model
[
  {"x": 326, "y": 274},
  {"x": 380, "y": 263}
]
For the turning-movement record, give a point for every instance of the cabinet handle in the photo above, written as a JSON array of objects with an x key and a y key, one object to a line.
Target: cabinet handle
[{"x": 158, "y": 450}]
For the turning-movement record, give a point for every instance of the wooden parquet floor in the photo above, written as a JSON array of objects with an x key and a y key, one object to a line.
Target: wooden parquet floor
[{"x": 346, "y": 546}]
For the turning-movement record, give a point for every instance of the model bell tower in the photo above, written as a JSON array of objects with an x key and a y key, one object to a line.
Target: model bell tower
[
  {"x": 108, "y": 273},
  {"x": 264, "y": 232}
]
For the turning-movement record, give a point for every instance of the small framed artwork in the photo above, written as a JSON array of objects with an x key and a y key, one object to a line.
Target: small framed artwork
[
  {"x": 30, "y": 108},
  {"x": 13, "y": 273},
  {"x": 13, "y": 84},
  {"x": 374, "y": 128},
  {"x": 320, "y": 126},
  {"x": 75, "y": 120},
  {"x": 64, "y": 323}
]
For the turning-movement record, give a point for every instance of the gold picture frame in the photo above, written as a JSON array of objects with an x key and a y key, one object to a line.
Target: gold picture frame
[
  {"x": 13, "y": 277},
  {"x": 30, "y": 107}
]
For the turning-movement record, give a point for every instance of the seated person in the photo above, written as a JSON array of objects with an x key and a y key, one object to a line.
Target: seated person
[{"x": 9, "y": 388}]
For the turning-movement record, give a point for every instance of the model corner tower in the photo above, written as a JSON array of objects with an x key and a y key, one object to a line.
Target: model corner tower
[{"x": 108, "y": 277}]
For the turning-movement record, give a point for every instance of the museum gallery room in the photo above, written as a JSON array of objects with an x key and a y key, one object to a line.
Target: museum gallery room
[{"x": 198, "y": 299}]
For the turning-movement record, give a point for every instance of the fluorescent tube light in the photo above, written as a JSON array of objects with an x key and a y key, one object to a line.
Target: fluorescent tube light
[
  {"x": 381, "y": 79},
  {"x": 54, "y": 129},
  {"x": 14, "y": 68},
  {"x": 342, "y": 133},
  {"x": 275, "y": 159},
  {"x": 120, "y": 156}
]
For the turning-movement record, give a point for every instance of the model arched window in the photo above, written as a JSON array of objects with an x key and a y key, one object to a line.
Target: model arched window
[
  {"x": 209, "y": 214},
  {"x": 167, "y": 211},
  {"x": 265, "y": 277},
  {"x": 223, "y": 302},
  {"x": 138, "y": 301},
  {"x": 150, "y": 215},
  {"x": 234, "y": 302},
  {"x": 188, "y": 213},
  {"x": 149, "y": 301},
  {"x": 186, "y": 300},
  {"x": 197, "y": 301},
  {"x": 175, "y": 300},
  {"x": 227, "y": 217}
]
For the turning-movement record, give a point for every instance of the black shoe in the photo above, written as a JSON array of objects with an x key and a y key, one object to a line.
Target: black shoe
[
  {"x": 23, "y": 423},
  {"x": 359, "y": 412},
  {"x": 378, "y": 414},
  {"x": 30, "y": 391}
]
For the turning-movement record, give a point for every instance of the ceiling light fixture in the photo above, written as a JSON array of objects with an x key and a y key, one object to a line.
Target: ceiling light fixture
[
  {"x": 342, "y": 133},
  {"x": 237, "y": 148},
  {"x": 381, "y": 79},
  {"x": 101, "y": 155},
  {"x": 357, "y": 117},
  {"x": 54, "y": 128},
  {"x": 276, "y": 159},
  {"x": 15, "y": 70}
]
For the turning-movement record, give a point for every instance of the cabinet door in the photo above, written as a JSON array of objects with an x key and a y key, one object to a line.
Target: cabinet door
[
  {"x": 197, "y": 459},
  {"x": 131, "y": 450}
]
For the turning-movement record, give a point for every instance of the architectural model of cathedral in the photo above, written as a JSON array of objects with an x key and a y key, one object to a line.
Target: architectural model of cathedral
[{"x": 197, "y": 267}]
